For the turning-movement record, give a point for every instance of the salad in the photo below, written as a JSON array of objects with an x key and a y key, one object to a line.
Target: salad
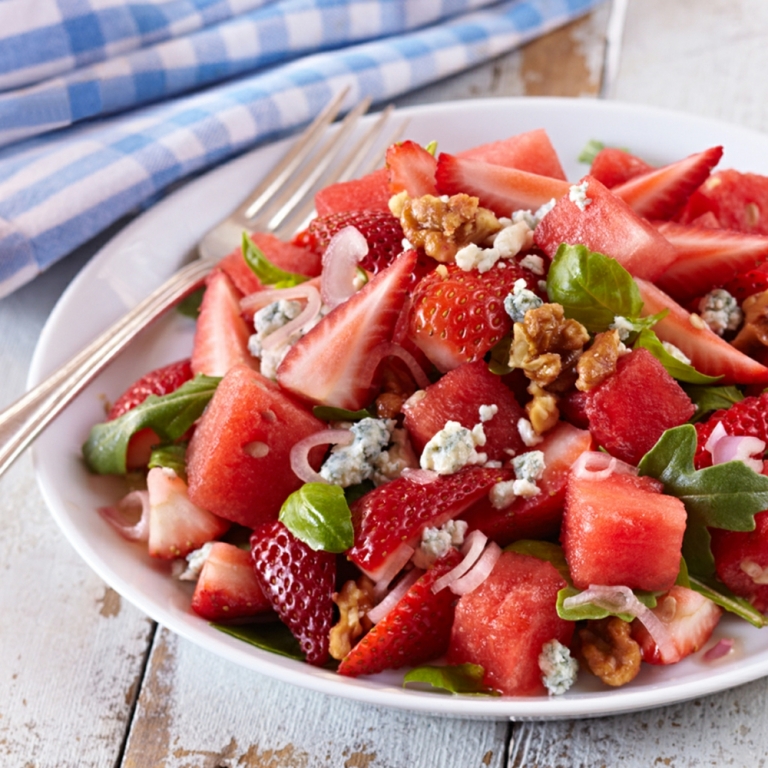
[{"x": 466, "y": 379}]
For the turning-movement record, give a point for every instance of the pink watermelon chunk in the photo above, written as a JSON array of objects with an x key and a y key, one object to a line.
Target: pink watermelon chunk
[
  {"x": 457, "y": 396},
  {"x": 371, "y": 192},
  {"x": 238, "y": 461},
  {"x": 503, "y": 624},
  {"x": 622, "y": 531},
  {"x": 629, "y": 411}
]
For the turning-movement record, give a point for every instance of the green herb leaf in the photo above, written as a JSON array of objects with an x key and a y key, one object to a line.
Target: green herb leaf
[
  {"x": 591, "y": 148},
  {"x": 708, "y": 399},
  {"x": 590, "y": 611},
  {"x": 720, "y": 594},
  {"x": 265, "y": 270},
  {"x": 319, "y": 515},
  {"x": 498, "y": 362},
  {"x": 354, "y": 492},
  {"x": 172, "y": 456},
  {"x": 431, "y": 148},
  {"x": 683, "y": 577},
  {"x": 592, "y": 288},
  {"x": 726, "y": 496},
  {"x": 460, "y": 678},
  {"x": 190, "y": 306},
  {"x": 170, "y": 416},
  {"x": 674, "y": 367},
  {"x": 273, "y": 636},
  {"x": 329, "y": 413},
  {"x": 542, "y": 550}
]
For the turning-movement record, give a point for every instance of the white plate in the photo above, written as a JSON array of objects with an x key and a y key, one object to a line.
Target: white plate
[{"x": 148, "y": 250}]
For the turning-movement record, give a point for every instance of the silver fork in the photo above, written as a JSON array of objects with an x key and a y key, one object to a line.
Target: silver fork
[{"x": 280, "y": 204}]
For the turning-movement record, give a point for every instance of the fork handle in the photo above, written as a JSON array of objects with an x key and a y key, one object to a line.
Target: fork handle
[{"x": 25, "y": 419}]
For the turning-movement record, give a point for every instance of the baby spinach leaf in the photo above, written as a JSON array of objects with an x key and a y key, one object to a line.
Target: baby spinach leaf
[
  {"x": 677, "y": 369},
  {"x": 170, "y": 416},
  {"x": 592, "y": 288},
  {"x": 265, "y": 270},
  {"x": 708, "y": 399},
  {"x": 726, "y": 496},
  {"x": 318, "y": 515},
  {"x": 459, "y": 678}
]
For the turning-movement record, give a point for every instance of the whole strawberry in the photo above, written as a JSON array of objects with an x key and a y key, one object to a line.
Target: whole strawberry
[
  {"x": 298, "y": 582},
  {"x": 457, "y": 316},
  {"x": 748, "y": 418},
  {"x": 161, "y": 381},
  {"x": 416, "y": 630}
]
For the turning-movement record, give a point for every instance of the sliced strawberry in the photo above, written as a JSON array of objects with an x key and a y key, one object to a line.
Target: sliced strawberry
[
  {"x": 457, "y": 316},
  {"x": 689, "y": 618},
  {"x": 748, "y": 418},
  {"x": 332, "y": 363},
  {"x": 662, "y": 192},
  {"x": 299, "y": 584},
  {"x": 416, "y": 630},
  {"x": 501, "y": 189},
  {"x": 748, "y": 284},
  {"x": 605, "y": 223},
  {"x": 707, "y": 258},
  {"x": 176, "y": 526},
  {"x": 227, "y": 587},
  {"x": 411, "y": 169},
  {"x": 707, "y": 352},
  {"x": 613, "y": 166},
  {"x": 394, "y": 515},
  {"x": 221, "y": 335}
]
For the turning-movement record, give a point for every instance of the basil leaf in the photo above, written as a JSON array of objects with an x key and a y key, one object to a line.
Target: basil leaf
[
  {"x": 190, "y": 306},
  {"x": 720, "y": 595},
  {"x": 708, "y": 399},
  {"x": 329, "y": 413},
  {"x": 674, "y": 367},
  {"x": 318, "y": 515},
  {"x": 171, "y": 456},
  {"x": 273, "y": 636},
  {"x": 170, "y": 416},
  {"x": 726, "y": 496},
  {"x": 592, "y": 288},
  {"x": 590, "y": 611},
  {"x": 459, "y": 678},
  {"x": 591, "y": 148},
  {"x": 542, "y": 550},
  {"x": 265, "y": 270}
]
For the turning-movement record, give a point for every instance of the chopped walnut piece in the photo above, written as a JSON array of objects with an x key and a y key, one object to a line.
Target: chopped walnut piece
[
  {"x": 542, "y": 409},
  {"x": 354, "y": 602},
  {"x": 397, "y": 386},
  {"x": 442, "y": 227},
  {"x": 598, "y": 362},
  {"x": 611, "y": 654},
  {"x": 753, "y": 335}
]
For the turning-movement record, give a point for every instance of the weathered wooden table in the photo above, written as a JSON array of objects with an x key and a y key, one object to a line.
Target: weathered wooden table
[{"x": 87, "y": 680}]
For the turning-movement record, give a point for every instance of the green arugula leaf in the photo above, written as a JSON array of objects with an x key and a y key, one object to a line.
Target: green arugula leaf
[
  {"x": 720, "y": 594},
  {"x": 542, "y": 550},
  {"x": 674, "y": 367},
  {"x": 726, "y": 496},
  {"x": 265, "y": 270},
  {"x": 460, "y": 678},
  {"x": 708, "y": 399},
  {"x": 273, "y": 636},
  {"x": 190, "y": 306},
  {"x": 172, "y": 456},
  {"x": 592, "y": 288},
  {"x": 318, "y": 515},
  {"x": 590, "y": 611},
  {"x": 170, "y": 416},
  {"x": 591, "y": 148},
  {"x": 329, "y": 413}
]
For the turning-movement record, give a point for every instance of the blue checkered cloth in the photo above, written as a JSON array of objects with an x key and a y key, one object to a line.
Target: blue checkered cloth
[{"x": 106, "y": 103}]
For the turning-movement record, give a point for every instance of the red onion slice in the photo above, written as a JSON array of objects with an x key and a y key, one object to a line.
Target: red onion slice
[
  {"x": 596, "y": 465},
  {"x": 714, "y": 436},
  {"x": 300, "y": 452},
  {"x": 391, "y": 568},
  {"x": 721, "y": 648},
  {"x": 116, "y": 516},
  {"x": 256, "y": 301},
  {"x": 340, "y": 259},
  {"x": 419, "y": 476},
  {"x": 741, "y": 448},
  {"x": 390, "y": 349},
  {"x": 393, "y": 598},
  {"x": 472, "y": 549},
  {"x": 309, "y": 313},
  {"x": 480, "y": 572}
]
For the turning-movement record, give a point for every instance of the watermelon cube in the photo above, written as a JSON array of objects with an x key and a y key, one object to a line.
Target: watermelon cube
[
  {"x": 457, "y": 396},
  {"x": 238, "y": 461},
  {"x": 629, "y": 411},
  {"x": 621, "y": 530},
  {"x": 371, "y": 192},
  {"x": 503, "y": 624}
]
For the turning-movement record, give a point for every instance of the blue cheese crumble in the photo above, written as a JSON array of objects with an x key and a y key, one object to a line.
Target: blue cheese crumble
[
  {"x": 368, "y": 457},
  {"x": 435, "y": 542},
  {"x": 528, "y": 433},
  {"x": 529, "y": 468},
  {"x": 188, "y": 569},
  {"x": 487, "y": 412},
  {"x": 266, "y": 321},
  {"x": 453, "y": 447},
  {"x": 577, "y": 194},
  {"x": 517, "y": 303},
  {"x": 508, "y": 242},
  {"x": 533, "y": 219},
  {"x": 720, "y": 311},
  {"x": 558, "y": 668}
]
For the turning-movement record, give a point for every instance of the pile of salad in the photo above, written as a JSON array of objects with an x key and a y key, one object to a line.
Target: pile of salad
[{"x": 477, "y": 421}]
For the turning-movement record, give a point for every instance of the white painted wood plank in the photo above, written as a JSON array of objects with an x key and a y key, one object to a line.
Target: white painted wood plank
[
  {"x": 199, "y": 710},
  {"x": 72, "y": 651}
]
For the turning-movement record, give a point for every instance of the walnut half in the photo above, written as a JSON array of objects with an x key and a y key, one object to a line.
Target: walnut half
[
  {"x": 354, "y": 602},
  {"x": 611, "y": 654}
]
